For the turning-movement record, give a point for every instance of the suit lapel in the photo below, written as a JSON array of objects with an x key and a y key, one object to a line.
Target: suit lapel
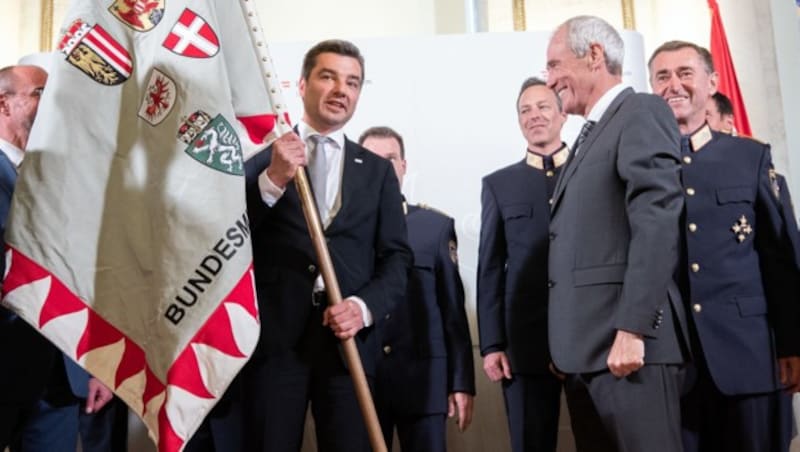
[{"x": 586, "y": 147}]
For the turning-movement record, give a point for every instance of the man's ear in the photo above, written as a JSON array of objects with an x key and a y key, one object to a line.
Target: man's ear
[
  {"x": 713, "y": 80},
  {"x": 597, "y": 56},
  {"x": 3, "y": 104}
]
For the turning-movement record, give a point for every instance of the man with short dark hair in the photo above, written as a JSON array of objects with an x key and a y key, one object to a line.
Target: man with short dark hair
[
  {"x": 719, "y": 114},
  {"x": 298, "y": 360},
  {"x": 512, "y": 273},
  {"x": 738, "y": 272},
  {"x": 615, "y": 315},
  {"x": 425, "y": 372}
]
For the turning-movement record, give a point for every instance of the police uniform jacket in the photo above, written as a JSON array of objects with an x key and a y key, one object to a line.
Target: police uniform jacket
[
  {"x": 426, "y": 345},
  {"x": 512, "y": 260},
  {"x": 739, "y": 274}
]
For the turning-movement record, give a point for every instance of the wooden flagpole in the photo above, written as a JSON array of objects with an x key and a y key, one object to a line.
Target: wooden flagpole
[{"x": 310, "y": 211}]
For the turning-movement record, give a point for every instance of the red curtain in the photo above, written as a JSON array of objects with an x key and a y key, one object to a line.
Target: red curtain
[{"x": 723, "y": 64}]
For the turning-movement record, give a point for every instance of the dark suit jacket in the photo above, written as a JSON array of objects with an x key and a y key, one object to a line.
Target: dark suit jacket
[
  {"x": 366, "y": 240},
  {"x": 615, "y": 230},
  {"x": 512, "y": 266},
  {"x": 741, "y": 286},
  {"x": 26, "y": 355},
  {"x": 427, "y": 349}
]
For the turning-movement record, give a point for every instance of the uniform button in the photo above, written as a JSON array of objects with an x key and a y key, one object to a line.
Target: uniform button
[
  {"x": 692, "y": 227},
  {"x": 687, "y": 160},
  {"x": 695, "y": 267},
  {"x": 696, "y": 307},
  {"x": 551, "y": 283},
  {"x": 552, "y": 236},
  {"x": 690, "y": 191},
  {"x": 550, "y": 201},
  {"x": 388, "y": 316},
  {"x": 549, "y": 173},
  {"x": 387, "y": 349},
  {"x": 312, "y": 268}
]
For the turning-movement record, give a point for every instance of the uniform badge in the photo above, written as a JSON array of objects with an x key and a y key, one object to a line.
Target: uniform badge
[
  {"x": 192, "y": 37},
  {"x": 141, "y": 15},
  {"x": 773, "y": 182},
  {"x": 451, "y": 245},
  {"x": 94, "y": 51},
  {"x": 741, "y": 229},
  {"x": 159, "y": 98},
  {"x": 212, "y": 142}
]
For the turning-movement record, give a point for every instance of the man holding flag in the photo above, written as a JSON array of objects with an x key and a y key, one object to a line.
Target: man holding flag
[{"x": 360, "y": 206}]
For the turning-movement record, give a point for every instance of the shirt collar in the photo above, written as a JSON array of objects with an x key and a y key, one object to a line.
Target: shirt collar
[
  {"x": 13, "y": 153},
  {"x": 603, "y": 103},
  {"x": 306, "y": 131}
]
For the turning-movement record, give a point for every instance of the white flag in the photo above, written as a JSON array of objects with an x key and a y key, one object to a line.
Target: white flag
[{"x": 128, "y": 244}]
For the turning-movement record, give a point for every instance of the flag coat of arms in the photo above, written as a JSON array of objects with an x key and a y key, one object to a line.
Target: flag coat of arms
[{"x": 128, "y": 241}]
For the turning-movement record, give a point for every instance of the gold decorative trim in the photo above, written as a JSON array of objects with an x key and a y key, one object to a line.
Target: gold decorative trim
[
  {"x": 519, "y": 15},
  {"x": 46, "y": 30},
  {"x": 628, "y": 15}
]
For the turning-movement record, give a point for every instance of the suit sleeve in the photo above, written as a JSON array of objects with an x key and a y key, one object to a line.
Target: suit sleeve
[
  {"x": 779, "y": 269},
  {"x": 491, "y": 274},
  {"x": 392, "y": 254},
  {"x": 649, "y": 166},
  {"x": 450, "y": 296},
  {"x": 257, "y": 209}
]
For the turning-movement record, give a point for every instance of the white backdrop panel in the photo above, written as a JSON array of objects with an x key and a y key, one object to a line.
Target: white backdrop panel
[{"x": 452, "y": 98}]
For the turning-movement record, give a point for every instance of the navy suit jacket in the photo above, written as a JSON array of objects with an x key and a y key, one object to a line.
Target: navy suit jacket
[
  {"x": 512, "y": 266},
  {"x": 425, "y": 340},
  {"x": 739, "y": 272},
  {"x": 366, "y": 240}
]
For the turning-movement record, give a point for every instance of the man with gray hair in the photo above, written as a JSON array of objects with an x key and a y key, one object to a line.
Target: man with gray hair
[{"x": 615, "y": 317}]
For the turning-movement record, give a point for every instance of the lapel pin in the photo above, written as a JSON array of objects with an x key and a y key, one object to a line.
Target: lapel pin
[{"x": 357, "y": 160}]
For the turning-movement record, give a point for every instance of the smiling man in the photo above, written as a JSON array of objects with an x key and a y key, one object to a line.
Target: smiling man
[
  {"x": 738, "y": 273},
  {"x": 357, "y": 193},
  {"x": 512, "y": 273},
  {"x": 614, "y": 309}
]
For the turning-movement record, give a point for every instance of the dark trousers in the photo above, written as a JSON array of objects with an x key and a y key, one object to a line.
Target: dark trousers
[
  {"x": 12, "y": 420},
  {"x": 50, "y": 428},
  {"x": 105, "y": 430},
  {"x": 638, "y": 413},
  {"x": 416, "y": 433},
  {"x": 714, "y": 422},
  {"x": 278, "y": 388},
  {"x": 533, "y": 404}
]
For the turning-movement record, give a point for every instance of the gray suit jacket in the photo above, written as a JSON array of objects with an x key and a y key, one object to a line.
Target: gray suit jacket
[{"x": 614, "y": 235}]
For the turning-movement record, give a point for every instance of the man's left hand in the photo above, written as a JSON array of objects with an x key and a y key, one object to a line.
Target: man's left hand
[
  {"x": 790, "y": 373},
  {"x": 626, "y": 355},
  {"x": 344, "y": 319},
  {"x": 459, "y": 404},
  {"x": 99, "y": 396}
]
